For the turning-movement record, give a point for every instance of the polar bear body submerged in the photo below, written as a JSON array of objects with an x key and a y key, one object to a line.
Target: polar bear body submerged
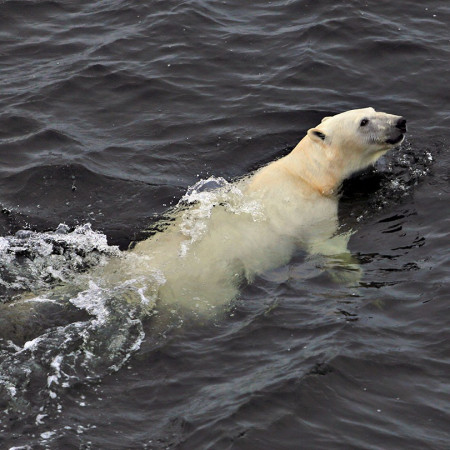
[
  {"x": 212, "y": 243},
  {"x": 256, "y": 224}
]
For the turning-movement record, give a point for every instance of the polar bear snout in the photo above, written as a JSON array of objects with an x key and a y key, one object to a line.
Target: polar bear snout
[
  {"x": 401, "y": 124},
  {"x": 398, "y": 132}
]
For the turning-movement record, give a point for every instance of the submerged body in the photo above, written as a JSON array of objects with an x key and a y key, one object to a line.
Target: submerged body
[
  {"x": 213, "y": 242},
  {"x": 240, "y": 235},
  {"x": 218, "y": 239},
  {"x": 256, "y": 224}
]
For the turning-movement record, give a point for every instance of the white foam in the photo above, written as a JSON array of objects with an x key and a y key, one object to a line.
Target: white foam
[
  {"x": 92, "y": 300},
  {"x": 56, "y": 366},
  {"x": 48, "y": 434},
  {"x": 195, "y": 220},
  {"x": 31, "y": 260},
  {"x": 3, "y": 244},
  {"x": 31, "y": 345},
  {"x": 40, "y": 418}
]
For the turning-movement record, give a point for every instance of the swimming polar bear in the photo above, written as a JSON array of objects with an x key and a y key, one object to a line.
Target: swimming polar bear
[
  {"x": 226, "y": 237},
  {"x": 194, "y": 264}
]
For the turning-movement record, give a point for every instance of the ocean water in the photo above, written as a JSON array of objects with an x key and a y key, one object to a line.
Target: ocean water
[{"x": 110, "y": 113}]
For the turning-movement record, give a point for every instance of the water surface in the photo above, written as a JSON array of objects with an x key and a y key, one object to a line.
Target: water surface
[{"x": 109, "y": 112}]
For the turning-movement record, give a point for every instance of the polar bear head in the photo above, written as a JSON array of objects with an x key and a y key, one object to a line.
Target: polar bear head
[{"x": 360, "y": 136}]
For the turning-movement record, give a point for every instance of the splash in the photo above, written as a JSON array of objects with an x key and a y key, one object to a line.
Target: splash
[
  {"x": 95, "y": 330},
  {"x": 30, "y": 260},
  {"x": 399, "y": 172},
  {"x": 206, "y": 195},
  {"x": 39, "y": 371},
  {"x": 403, "y": 171},
  {"x": 103, "y": 296}
]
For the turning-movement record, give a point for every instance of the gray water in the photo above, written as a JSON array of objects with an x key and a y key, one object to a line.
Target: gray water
[{"x": 110, "y": 112}]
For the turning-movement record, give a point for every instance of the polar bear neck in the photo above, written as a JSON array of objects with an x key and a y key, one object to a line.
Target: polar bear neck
[
  {"x": 317, "y": 168},
  {"x": 323, "y": 174}
]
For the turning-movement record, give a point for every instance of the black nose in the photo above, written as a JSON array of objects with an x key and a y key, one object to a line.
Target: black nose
[{"x": 401, "y": 124}]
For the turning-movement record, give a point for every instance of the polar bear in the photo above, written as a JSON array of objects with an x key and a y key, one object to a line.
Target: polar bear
[
  {"x": 196, "y": 262},
  {"x": 211, "y": 243},
  {"x": 215, "y": 241},
  {"x": 256, "y": 223}
]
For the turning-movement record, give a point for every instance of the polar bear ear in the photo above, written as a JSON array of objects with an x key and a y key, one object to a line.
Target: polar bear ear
[
  {"x": 325, "y": 118},
  {"x": 316, "y": 135}
]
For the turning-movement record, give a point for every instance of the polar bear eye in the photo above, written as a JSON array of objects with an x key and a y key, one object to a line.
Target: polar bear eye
[{"x": 364, "y": 122}]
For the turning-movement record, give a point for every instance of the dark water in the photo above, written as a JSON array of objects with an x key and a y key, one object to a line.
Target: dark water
[{"x": 109, "y": 111}]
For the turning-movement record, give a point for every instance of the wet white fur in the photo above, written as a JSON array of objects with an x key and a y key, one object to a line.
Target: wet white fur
[{"x": 257, "y": 223}]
